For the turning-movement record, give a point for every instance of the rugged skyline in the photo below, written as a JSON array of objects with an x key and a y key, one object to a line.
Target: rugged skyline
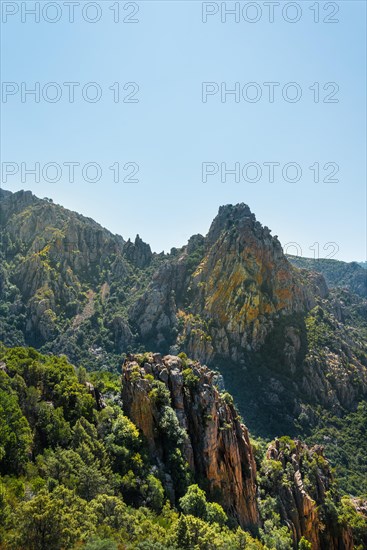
[
  {"x": 313, "y": 67},
  {"x": 156, "y": 342}
]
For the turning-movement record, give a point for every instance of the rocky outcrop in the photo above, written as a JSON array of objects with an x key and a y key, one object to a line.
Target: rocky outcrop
[
  {"x": 217, "y": 446},
  {"x": 57, "y": 259},
  {"x": 223, "y": 294},
  {"x": 243, "y": 282},
  {"x": 301, "y": 494},
  {"x": 234, "y": 282},
  {"x": 138, "y": 253},
  {"x": 240, "y": 282},
  {"x": 154, "y": 314}
]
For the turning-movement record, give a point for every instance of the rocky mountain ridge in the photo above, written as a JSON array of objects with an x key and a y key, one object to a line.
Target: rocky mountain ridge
[
  {"x": 289, "y": 347},
  {"x": 349, "y": 275}
]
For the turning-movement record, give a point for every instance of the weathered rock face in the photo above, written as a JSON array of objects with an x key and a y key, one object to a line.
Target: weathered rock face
[
  {"x": 334, "y": 369},
  {"x": 243, "y": 281},
  {"x": 154, "y": 313},
  {"x": 56, "y": 261},
  {"x": 217, "y": 446},
  {"x": 232, "y": 300},
  {"x": 240, "y": 282},
  {"x": 300, "y": 500}
]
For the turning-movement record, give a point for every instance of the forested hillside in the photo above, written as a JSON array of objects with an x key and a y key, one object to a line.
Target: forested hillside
[{"x": 76, "y": 472}]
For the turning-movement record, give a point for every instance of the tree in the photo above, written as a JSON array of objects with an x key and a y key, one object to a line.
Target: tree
[
  {"x": 110, "y": 511},
  {"x": 154, "y": 493},
  {"x": 51, "y": 427},
  {"x": 183, "y": 537},
  {"x": 215, "y": 513},
  {"x": 4, "y": 508},
  {"x": 15, "y": 434},
  {"x": 194, "y": 502},
  {"x": 123, "y": 443},
  {"x": 91, "y": 482},
  {"x": 51, "y": 520},
  {"x": 100, "y": 544},
  {"x": 68, "y": 467}
]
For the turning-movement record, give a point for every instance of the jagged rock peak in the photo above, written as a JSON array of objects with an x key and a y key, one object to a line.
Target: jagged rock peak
[
  {"x": 17, "y": 201},
  {"x": 138, "y": 253},
  {"x": 4, "y": 194},
  {"x": 228, "y": 216},
  {"x": 236, "y": 211}
]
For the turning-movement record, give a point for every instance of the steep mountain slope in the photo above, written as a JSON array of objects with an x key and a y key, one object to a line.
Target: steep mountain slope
[
  {"x": 240, "y": 282},
  {"x": 284, "y": 343},
  {"x": 337, "y": 274},
  {"x": 291, "y": 350},
  {"x": 65, "y": 281}
]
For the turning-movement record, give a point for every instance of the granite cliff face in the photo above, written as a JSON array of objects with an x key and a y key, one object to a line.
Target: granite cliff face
[
  {"x": 301, "y": 501},
  {"x": 52, "y": 254},
  {"x": 240, "y": 281},
  {"x": 216, "y": 444}
]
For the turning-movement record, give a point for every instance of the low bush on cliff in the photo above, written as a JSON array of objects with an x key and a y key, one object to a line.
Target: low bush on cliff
[{"x": 190, "y": 379}]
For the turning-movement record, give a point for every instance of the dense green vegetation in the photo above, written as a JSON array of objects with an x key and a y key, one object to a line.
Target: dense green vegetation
[
  {"x": 73, "y": 474},
  {"x": 345, "y": 442},
  {"x": 76, "y": 474}
]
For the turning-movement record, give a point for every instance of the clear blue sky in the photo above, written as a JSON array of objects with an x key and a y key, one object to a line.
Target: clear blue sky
[{"x": 170, "y": 132}]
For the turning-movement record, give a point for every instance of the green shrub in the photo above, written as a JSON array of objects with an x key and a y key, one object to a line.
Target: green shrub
[{"x": 190, "y": 379}]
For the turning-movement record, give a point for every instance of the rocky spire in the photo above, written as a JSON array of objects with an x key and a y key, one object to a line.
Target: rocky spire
[{"x": 138, "y": 253}]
